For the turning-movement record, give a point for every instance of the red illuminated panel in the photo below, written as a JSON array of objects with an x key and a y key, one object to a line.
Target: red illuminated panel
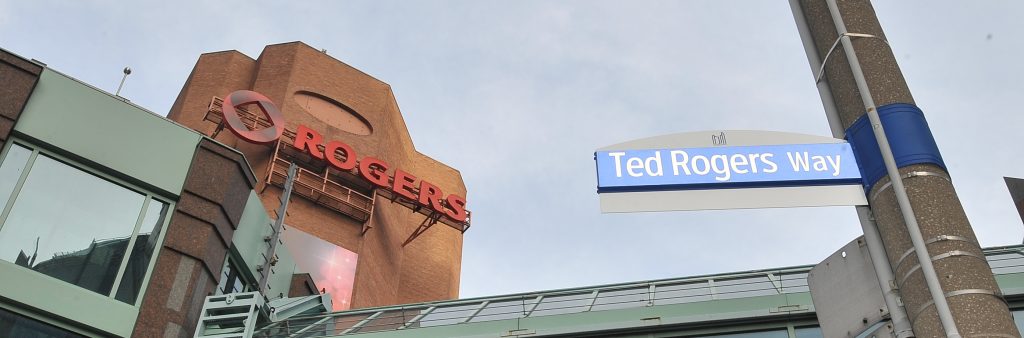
[{"x": 332, "y": 267}]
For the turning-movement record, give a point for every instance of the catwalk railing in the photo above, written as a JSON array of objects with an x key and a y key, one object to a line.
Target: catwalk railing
[
  {"x": 1005, "y": 260},
  {"x": 340, "y": 190}
]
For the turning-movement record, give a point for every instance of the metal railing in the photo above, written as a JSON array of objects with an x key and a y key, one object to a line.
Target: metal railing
[
  {"x": 635, "y": 295},
  {"x": 1003, "y": 260}
]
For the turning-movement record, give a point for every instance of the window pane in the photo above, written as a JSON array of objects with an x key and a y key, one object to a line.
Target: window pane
[
  {"x": 230, "y": 280},
  {"x": 15, "y": 325},
  {"x": 10, "y": 171},
  {"x": 142, "y": 252},
  {"x": 332, "y": 267},
  {"x": 809, "y": 332},
  {"x": 70, "y": 225},
  {"x": 762, "y": 334}
]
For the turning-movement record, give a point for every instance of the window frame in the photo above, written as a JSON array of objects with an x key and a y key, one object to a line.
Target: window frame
[
  {"x": 239, "y": 274},
  {"x": 100, "y": 173}
]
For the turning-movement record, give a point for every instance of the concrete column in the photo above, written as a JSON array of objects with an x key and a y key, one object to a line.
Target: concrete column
[{"x": 966, "y": 277}]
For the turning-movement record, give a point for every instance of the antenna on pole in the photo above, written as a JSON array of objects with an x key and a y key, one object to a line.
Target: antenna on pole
[{"x": 127, "y": 71}]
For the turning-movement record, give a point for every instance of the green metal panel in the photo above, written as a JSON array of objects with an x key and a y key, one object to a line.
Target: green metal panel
[
  {"x": 102, "y": 128},
  {"x": 249, "y": 242},
  {"x": 248, "y": 238},
  {"x": 281, "y": 274},
  {"x": 67, "y": 301}
]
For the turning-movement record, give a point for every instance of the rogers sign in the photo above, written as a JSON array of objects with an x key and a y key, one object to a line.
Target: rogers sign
[{"x": 370, "y": 168}]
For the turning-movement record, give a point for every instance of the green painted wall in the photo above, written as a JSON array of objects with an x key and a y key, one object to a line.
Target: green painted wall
[{"x": 87, "y": 122}]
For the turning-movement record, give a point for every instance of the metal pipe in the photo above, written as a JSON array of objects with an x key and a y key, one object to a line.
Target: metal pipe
[
  {"x": 920, "y": 248},
  {"x": 876, "y": 249},
  {"x": 127, "y": 71},
  {"x": 814, "y": 60}
]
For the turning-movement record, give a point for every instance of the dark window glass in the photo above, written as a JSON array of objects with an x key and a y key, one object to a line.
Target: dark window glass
[
  {"x": 230, "y": 279},
  {"x": 142, "y": 252},
  {"x": 75, "y": 226},
  {"x": 14, "y": 325},
  {"x": 70, "y": 225}
]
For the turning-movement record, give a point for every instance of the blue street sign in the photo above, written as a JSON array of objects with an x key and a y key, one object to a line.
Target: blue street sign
[{"x": 726, "y": 167}]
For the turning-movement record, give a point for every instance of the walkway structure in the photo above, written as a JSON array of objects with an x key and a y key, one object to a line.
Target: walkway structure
[{"x": 762, "y": 303}]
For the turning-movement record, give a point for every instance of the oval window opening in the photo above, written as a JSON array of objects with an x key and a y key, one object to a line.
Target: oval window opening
[{"x": 333, "y": 113}]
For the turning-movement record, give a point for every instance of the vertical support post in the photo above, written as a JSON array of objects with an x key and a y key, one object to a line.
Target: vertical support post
[
  {"x": 902, "y": 199},
  {"x": 945, "y": 273},
  {"x": 873, "y": 241},
  {"x": 275, "y": 236}
]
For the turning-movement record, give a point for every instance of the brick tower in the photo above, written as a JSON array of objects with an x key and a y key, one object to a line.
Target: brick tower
[{"x": 401, "y": 258}]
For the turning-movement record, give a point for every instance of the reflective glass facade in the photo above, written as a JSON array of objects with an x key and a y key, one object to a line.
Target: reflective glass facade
[
  {"x": 332, "y": 267},
  {"x": 15, "y": 325},
  {"x": 76, "y": 226}
]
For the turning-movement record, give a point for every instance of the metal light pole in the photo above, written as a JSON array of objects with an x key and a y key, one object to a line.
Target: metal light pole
[{"x": 127, "y": 71}]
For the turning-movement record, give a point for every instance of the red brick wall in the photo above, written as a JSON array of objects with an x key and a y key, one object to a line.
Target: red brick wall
[{"x": 427, "y": 269}]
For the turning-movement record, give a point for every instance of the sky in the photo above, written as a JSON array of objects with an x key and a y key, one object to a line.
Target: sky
[{"x": 529, "y": 89}]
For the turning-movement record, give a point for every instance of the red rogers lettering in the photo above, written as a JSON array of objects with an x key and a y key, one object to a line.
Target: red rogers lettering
[{"x": 343, "y": 157}]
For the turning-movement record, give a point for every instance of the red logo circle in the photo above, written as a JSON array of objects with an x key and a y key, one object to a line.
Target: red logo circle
[{"x": 265, "y": 135}]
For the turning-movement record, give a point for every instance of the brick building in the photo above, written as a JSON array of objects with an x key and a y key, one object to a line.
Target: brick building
[
  {"x": 313, "y": 89},
  {"x": 122, "y": 222}
]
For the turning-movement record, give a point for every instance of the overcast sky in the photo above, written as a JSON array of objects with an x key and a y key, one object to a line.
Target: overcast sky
[{"x": 532, "y": 88}]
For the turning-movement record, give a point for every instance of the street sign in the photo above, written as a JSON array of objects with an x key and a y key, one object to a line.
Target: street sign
[
  {"x": 735, "y": 169},
  {"x": 726, "y": 167}
]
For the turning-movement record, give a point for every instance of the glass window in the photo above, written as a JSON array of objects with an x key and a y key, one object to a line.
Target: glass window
[
  {"x": 75, "y": 226},
  {"x": 809, "y": 332},
  {"x": 332, "y": 268},
  {"x": 231, "y": 280},
  {"x": 142, "y": 252},
  {"x": 760, "y": 334},
  {"x": 14, "y": 325}
]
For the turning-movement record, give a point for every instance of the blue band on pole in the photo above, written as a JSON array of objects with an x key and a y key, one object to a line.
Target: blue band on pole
[{"x": 909, "y": 137}]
